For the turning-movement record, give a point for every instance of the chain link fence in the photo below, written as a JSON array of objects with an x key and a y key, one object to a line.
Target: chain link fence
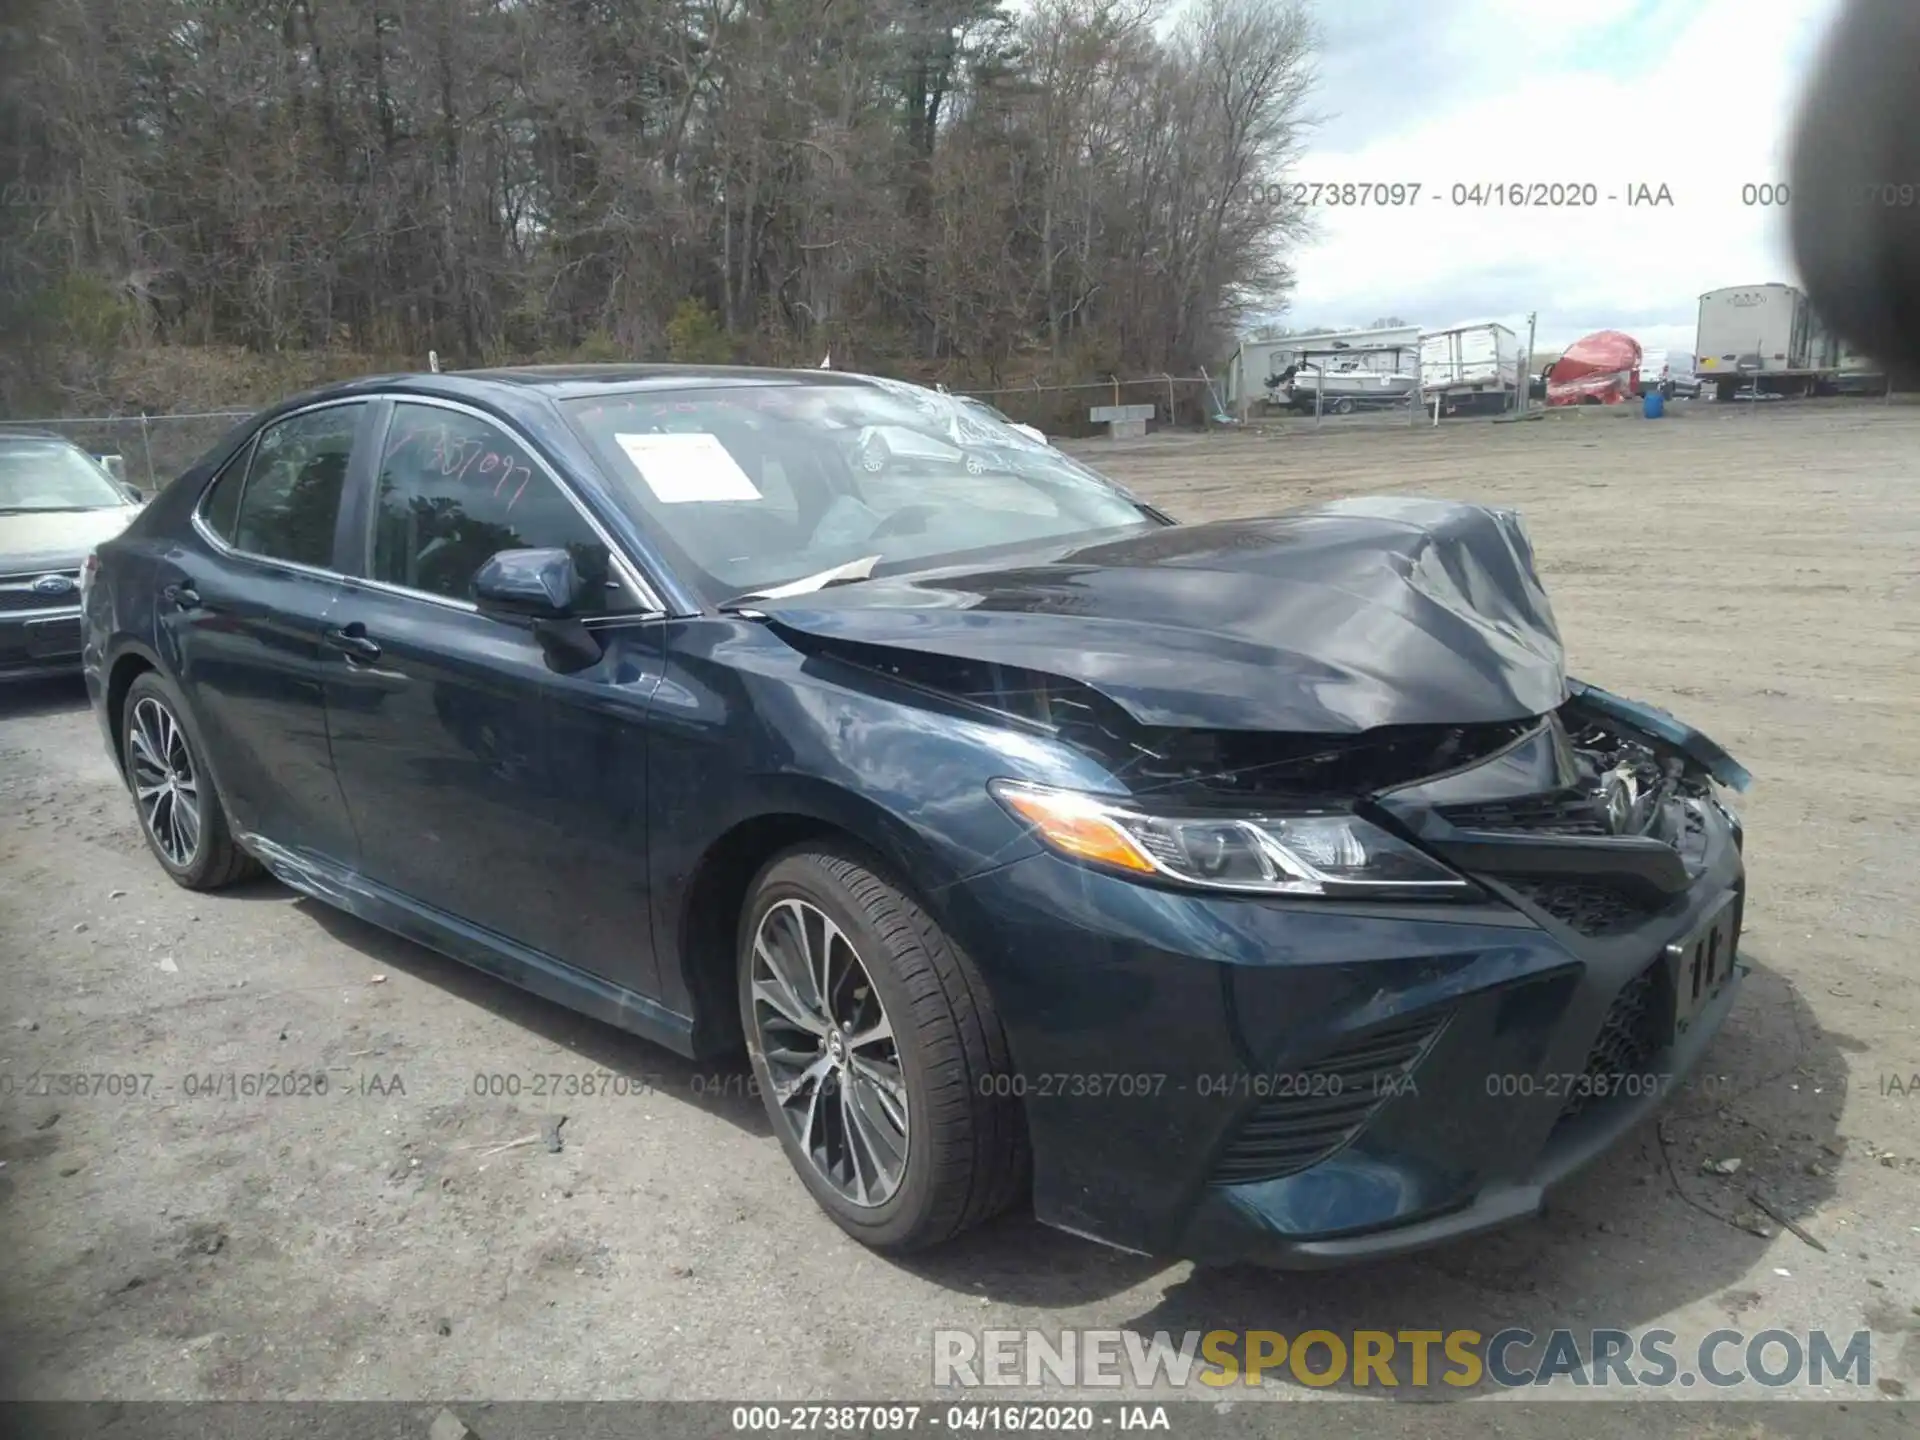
[
  {"x": 152, "y": 448},
  {"x": 155, "y": 448},
  {"x": 1194, "y": 402},
  {"x": 1061, "y": 411}
]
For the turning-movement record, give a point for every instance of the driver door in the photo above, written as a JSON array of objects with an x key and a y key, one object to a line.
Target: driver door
[{"x": 485, "y": 786}]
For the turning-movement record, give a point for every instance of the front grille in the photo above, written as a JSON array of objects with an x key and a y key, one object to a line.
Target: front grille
[
  {"x": 17, "y": 592},
  {"x": 1591, "y": 907},
  {"x": 1629, "y": 1037},
  {"x": 1561, "y": 812},
  {"x": 1325, "y": 1104}
]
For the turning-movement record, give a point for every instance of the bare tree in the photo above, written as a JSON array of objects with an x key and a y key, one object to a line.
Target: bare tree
[{"x": 911, "y": 182}]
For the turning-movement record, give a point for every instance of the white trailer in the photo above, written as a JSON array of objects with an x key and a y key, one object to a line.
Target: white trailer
[
  {"x": 1470, "y": 367},
  {"x": 1767, "y": 336}
]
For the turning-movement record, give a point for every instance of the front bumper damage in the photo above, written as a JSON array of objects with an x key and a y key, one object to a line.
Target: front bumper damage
[{"x": 1304, "y": 1084}]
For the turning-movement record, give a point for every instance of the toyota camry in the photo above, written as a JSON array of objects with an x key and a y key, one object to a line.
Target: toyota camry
[{"x": 1251, "y": 890}]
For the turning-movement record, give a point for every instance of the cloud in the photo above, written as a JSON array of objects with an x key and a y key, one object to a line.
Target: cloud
[{"x": 1696, "y": 96}]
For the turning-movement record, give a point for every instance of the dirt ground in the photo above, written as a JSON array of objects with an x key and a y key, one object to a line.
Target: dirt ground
[{"x": 1757, "y": 573}]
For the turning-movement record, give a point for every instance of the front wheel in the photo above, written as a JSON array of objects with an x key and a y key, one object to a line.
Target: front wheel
[
  {"x": 181, "y": 817},
  {"x": 877, "y": 1049}
]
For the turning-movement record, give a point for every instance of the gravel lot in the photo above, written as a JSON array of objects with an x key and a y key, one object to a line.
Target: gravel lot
[{"x": 1758, "y": 573}]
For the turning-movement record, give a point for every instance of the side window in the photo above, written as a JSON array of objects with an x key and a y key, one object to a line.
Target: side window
[
  {"x": 220, "y": 506},
  {"x": 292, "y": 496},
  {"x": 456, "y": 490}
]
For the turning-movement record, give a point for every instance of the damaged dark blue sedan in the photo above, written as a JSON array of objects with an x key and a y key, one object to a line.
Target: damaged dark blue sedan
[{"x": 1248, "y": 890}]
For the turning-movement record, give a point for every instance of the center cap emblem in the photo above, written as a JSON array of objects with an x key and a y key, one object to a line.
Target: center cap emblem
[{"x": 836, "y": 1047}]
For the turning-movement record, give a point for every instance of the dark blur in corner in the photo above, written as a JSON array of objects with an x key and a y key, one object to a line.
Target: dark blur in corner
[{"x": 1858, "y": 248}]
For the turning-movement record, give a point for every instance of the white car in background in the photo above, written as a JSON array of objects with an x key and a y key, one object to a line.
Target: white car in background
[
  {"x": 981, "y": 407},
  {"x": 57, "y": 502}
]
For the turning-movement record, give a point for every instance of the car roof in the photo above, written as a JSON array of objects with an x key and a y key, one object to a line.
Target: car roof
[
  {"x": 508, "y": 384},
  {"x": 38, "y": 437}
]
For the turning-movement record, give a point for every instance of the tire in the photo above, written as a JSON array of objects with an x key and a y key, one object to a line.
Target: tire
[
  {"x": 974, "y": 465},
  {"x": 873, "y": 459},
  {"x": 1343, "y": 406},
  {"x": 965, "y": 1143},
  {"x": 156, "y": 740}
]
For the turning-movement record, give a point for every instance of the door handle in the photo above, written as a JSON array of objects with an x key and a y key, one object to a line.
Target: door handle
[
  {"x": 185, "y": 596},
  {"x": 351, "y": 641}
]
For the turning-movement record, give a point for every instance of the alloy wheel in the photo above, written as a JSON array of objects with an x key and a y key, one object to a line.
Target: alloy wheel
[
  {"x": 830, "y": 1052},
  {"x": 165, "y": 787}
]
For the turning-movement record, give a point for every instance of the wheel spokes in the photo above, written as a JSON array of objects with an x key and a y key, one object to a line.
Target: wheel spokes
[
  {"x": 147, "y": 749},
  {"x": 164, "y": 788},
  {"x": 777, "y": 993},
  {"x": 888, "y": 1089},
  {"x": 829, "y": 1049},
  {"x": 880, "y": 1137}
]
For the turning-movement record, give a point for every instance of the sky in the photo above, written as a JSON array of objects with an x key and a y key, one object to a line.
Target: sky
[{"x": 1694, "y": 95}]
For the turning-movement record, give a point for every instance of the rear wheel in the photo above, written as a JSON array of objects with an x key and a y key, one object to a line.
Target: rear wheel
[
  {"x": 181, "y": 817},
  {"x": 878, "y": 1053},
  {"x": 1343, "y": 406}
]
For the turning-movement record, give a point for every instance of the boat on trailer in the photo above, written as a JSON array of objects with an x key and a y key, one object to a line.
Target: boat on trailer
[{"x": 1338, "y": 390}]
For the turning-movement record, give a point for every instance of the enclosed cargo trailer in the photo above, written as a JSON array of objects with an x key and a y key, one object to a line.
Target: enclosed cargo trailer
[
  {"x": 1767, "y": 336},
  {"x": 1466, "y": 368}
]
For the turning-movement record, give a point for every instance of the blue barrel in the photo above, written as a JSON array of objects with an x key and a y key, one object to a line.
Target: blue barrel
[{"x": 1653, "y": 405}]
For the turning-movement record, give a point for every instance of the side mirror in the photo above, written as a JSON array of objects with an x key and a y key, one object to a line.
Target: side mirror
[
  {"x": 114, "y": 465},
  {"x": 134, "y": 493},
  {"x": 529, "y": 585},
  {"x": 543, "y": 586}
]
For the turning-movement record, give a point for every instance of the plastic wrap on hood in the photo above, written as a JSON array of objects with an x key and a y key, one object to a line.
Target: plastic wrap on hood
[
  {"x": 1601, "y": 366},
  {"x": 1329, "y": 620}
]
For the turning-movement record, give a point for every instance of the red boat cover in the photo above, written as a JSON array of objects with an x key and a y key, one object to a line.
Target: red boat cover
[{"x": 1601, "y": 367}]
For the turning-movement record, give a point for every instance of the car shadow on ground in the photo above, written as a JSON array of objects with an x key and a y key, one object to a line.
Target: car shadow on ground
[
  {"x": 724, "y": 1088},
  {"x": 1651, "y": 1228},
  {"x": 53, "y": 695},
  {"x": 1661, "y": 1223}
]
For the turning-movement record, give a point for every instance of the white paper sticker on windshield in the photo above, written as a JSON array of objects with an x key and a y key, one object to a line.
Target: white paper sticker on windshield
[{"x": 679, "y": 468}]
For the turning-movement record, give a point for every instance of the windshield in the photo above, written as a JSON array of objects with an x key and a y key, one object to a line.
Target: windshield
[
  {"x": 52, "y": 475},
  {"x": 759, "y": 485}
]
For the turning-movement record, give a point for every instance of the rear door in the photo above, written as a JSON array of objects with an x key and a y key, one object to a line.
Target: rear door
[
  {"x": 486, "y": 786},
  {"x": 241, "y": 614}
]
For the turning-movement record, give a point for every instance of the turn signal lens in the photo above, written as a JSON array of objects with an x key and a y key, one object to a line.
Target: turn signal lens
[{"x": 1073, "y": 824}]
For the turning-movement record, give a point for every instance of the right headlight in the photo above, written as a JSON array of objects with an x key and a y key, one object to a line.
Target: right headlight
[{"x": 1318, "y": 852}]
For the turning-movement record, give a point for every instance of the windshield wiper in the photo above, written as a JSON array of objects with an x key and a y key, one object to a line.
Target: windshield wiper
[
  {"x": 48, "y": 509},
  {"x": 853, "y": 570}
]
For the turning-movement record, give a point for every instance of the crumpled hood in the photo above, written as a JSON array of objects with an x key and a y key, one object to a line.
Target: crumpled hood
[
  {"x": 57, "y": 539},
  {"x": 1333, "y": 619}
]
